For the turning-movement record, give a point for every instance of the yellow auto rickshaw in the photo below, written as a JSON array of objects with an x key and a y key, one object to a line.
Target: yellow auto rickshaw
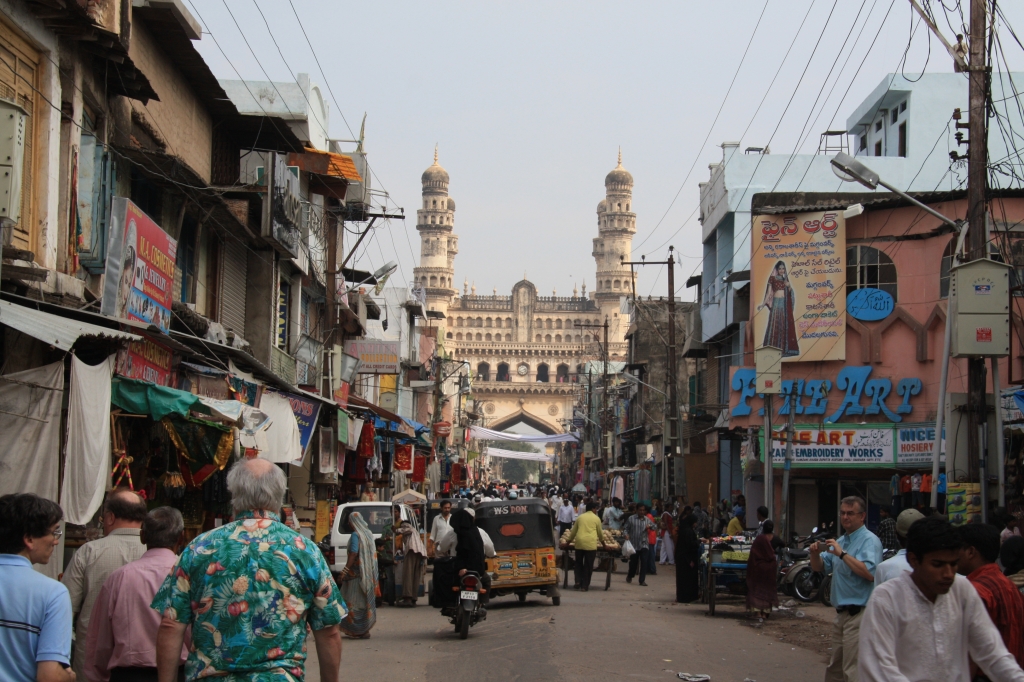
[{"x": 524, "y": 541}]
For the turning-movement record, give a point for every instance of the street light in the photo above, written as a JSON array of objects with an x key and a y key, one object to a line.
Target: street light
[{"x": 849, "y": 169}]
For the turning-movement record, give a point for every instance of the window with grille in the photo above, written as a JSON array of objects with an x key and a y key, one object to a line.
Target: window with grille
[{"x": 867, "y": 267}]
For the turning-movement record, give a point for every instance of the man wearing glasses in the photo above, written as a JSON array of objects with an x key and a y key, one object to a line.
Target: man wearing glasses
[{"x": 851, "y": 560}]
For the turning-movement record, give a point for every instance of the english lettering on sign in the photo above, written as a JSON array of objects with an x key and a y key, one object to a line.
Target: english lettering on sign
[
  {"x": 862, "y": 395},
  {"x": 843, "y": 446}
]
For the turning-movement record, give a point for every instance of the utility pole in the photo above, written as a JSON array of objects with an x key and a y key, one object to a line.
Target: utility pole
[
  {"x": 673, "y": 372},
  {"x": 790, "y": 436},
  {"x": 977, "y": 193}
]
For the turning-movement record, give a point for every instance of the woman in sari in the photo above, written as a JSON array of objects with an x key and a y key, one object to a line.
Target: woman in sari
[
  {"x": 762, "y": 573},
  {"x": 780, "y": 301},
  {"x": 359, "y": 580},
  {"x": 688, "y": 551}
]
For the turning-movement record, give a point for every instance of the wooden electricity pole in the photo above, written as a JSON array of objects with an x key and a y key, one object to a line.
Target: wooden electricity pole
[{"x": 977, "y": 194}]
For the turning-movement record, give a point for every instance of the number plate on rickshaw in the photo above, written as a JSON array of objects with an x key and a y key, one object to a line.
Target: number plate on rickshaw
[{"x": 472, "y": 596}]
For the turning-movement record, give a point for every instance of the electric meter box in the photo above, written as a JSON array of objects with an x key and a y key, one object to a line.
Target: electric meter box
[
  {"x": 768, "y": 369},
  {"x": 13, "y": 128},
  {"x": 979, "y": 302}
]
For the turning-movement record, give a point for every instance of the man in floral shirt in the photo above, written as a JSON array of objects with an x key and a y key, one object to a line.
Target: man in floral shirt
[{"x": 248, "y": 589}]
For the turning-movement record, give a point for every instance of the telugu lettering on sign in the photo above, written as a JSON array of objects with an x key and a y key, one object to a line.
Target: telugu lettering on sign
[{"x": 798, "y": 284}]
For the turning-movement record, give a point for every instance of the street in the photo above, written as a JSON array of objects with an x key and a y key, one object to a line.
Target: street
[{"x": 627, "y": 632}]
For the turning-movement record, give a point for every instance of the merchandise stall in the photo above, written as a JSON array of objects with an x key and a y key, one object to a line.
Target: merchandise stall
[{"x": 723, "y": 569}]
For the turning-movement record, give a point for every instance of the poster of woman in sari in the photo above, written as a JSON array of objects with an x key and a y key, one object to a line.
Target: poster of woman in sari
[{"x": 780, "y": 301}]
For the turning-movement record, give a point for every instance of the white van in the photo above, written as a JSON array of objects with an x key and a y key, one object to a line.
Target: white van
[{"x": 376, "y": 515}]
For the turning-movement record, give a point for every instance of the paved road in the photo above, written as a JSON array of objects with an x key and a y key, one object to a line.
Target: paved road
[{"x": 628, "y": 632}]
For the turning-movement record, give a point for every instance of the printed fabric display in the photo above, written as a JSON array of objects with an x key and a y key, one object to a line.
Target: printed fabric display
[
  {"x": 366, "y": 438},
  {"x": 403, "y": 458}
]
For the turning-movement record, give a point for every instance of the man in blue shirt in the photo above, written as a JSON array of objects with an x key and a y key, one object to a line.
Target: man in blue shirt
[
  {"x": 35, "y": 611},
  {"x": 852, "y": 560}
]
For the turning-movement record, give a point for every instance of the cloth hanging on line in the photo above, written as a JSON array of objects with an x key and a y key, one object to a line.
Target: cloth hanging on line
[
  {"x": 512, "y": 454},
  {"x": 403, "y": 458},
  {"x": 487, "y": 434},
  {"x": 30, "y": 403},
  {"x": 365, "y": 450},
  {"x": 87, "y": 452},
  {"x": 284, "y": 444},
  {"x": 434, "y": 475},
  {"x": 355, "y": 429}
]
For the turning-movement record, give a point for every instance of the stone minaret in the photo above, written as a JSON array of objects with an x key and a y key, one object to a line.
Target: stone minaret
[
  {"x": 438, "y": 243},
  {"x": 616, "y": 225}
]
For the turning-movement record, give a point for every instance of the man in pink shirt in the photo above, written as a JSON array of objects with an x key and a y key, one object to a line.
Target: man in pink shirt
[{"x": 121, "y": 644}]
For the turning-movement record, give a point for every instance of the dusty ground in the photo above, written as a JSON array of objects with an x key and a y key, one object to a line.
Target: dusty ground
[{"x": 627, "y": 632}]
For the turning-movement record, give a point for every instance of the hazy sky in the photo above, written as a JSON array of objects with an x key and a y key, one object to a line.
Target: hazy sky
[{"x": 529, "y": 103}]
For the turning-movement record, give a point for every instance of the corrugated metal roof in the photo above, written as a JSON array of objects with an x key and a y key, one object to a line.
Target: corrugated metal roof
[{"x": 55, "y": 330}]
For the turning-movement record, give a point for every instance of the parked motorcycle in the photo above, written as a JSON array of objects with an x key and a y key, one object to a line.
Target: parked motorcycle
[
  {"x": 799, "y": 580},
  {"x": 469, "y": 610}
]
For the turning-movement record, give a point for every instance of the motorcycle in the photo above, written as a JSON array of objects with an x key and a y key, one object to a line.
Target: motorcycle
[
  {"x": 469, "y": 611},
  {"x": 799, "y": 580}
]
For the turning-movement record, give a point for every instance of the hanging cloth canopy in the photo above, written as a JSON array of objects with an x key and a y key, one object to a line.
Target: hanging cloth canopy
[
  {"x": 487, "y": 434},
  {"x": 512, "y": 454}
]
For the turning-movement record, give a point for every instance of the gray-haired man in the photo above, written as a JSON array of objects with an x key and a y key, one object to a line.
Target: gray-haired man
[{"x": 249, "y": 589}]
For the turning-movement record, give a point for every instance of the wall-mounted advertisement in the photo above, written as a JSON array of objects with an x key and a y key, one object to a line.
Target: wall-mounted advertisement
[
  {"x": 915, "y": 446},
  {"x": 140, "y": 267},
  {"x": 798, "y": 284},
  {"x": 375, "y": 357}
]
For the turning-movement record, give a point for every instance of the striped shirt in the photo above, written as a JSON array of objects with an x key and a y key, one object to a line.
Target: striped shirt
[{"x": 636, "y": 528}]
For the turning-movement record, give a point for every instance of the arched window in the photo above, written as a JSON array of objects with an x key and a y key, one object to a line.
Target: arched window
[
  {"x": 508, "y": 337},
  {"x": 542, "y": 372},
  {"x": 483, "y": 372},
  {"x": 458, "y": 337},
  {"x": 434, "y": 202},
  {"x": 558, "y": 338},
  {"x": 579, "y": 338},
  {"x": 488, "y": 338},
  {"x": 503, "y": 371},
  {"x": 479, "y": 337},
  {"x": 562, "y": 374},
  {"x": 547, "y": 325},
  {"x": 558, "y": 324},
  {"x": 460, "y": 322},
  {"x": 497, "y": 322},
  {"x": 867, "y": 267},
  {"x": 617, "y": 284},
  {"x": 539, "y": 324},
  {"x": 607, "y": 284},
  {"x": 432, "y": 220},
  {"x": 586, "y": 338},
  {"x": 547, "y": 338},
  {"x": 489, "y": 322},
  {"x": 627, "y": 207},
  {"x": 539, "y": 339},
  {"x": 479, "y": 321},
  {"x": 618, "y": 206},
  {"x": 433, "y": 281},
  {"x": 449, "y": 335},
  {"x": 508, "y": 323}
]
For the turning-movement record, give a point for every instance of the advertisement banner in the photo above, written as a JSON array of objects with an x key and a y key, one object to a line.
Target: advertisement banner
[
  {"x": 306, "y": 412},
  {"x": 375, "y": 357},
  {"x": 140, "y": 267},
  {"x": 798, "y": 284},
  {"x": 915, "y": 446},
  {"x": 844, "y": 445},
  {"x": 146, "y": 361}
]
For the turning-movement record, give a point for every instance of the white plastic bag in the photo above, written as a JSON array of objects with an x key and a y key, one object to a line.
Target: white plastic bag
[{"x": 627, "y": 549}]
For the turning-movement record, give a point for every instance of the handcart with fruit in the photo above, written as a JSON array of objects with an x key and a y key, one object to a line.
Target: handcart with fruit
[{"x": 606, "y": 557}]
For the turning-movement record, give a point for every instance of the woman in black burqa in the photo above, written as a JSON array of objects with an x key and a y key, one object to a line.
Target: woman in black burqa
[
  {"x": 469, "y": 550},
  {"x": 688, "y": 551}
]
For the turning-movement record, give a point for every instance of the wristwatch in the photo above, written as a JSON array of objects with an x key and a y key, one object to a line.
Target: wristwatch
[{"x": 843, "y": 555}]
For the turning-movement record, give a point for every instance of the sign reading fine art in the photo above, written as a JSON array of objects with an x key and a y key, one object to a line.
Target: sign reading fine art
[
  {"x": 375, "y": 357},
  {"x": 798, "y": 284},
  {"x": 140, "y": 267}
]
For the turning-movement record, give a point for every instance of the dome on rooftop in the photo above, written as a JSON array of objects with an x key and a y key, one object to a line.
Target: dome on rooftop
[{"x": 619, "y": 175}]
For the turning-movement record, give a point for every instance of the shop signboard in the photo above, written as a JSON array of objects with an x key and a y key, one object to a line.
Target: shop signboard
[
  {"x": 915, "y": 446},
  {"x": 146, "y": 361},
  {"x": 798, "y": 284},
  {"x": 140, "y": 267},
  {"x": 840, "y": 445},
  {"x": 375, "y": 357}
]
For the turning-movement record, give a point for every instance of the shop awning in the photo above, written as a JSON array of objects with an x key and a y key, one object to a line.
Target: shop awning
[
  {"x": 330, "y": 173},
  {"x": 356, "y": 401},
  {"x": 60, "y": 332}
]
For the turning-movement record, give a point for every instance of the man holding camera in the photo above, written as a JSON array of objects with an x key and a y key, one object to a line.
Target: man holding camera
[{"x": 852, "y": 560}]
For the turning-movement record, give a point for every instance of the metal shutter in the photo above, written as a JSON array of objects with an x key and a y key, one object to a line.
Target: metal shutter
[{"x": 233, "y": 275}]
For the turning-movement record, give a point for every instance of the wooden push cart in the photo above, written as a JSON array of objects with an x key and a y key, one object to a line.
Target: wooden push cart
[{"x": 606, "y": 560}]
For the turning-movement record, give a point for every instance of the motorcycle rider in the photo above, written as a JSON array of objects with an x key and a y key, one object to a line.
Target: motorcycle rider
[{"x": 469, "y": 549}]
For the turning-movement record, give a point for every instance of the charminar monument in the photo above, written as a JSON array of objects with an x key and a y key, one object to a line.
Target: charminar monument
[{"x": 526, "y": 352}]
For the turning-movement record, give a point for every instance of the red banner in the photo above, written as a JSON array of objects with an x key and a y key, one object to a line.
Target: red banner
[
  {"x": 145, "y": 360},
  {"x": 419, "y": 469}
]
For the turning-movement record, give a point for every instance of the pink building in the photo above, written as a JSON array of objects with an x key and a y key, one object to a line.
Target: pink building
[{"x": 865, "y": 366}]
